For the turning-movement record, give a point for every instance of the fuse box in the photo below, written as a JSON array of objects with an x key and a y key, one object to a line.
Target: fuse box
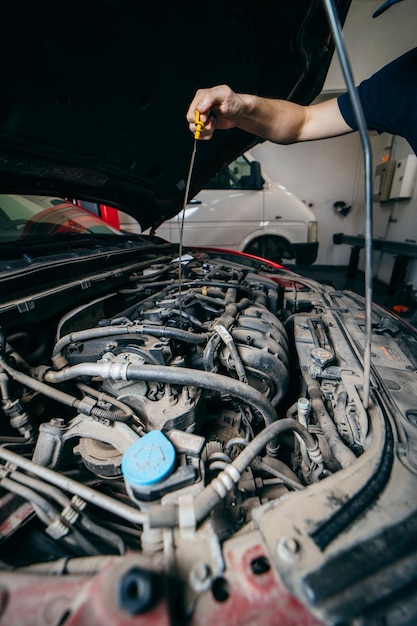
[
  {"x": 384, "y": 173},
  {"x": 404, "y": 179}
]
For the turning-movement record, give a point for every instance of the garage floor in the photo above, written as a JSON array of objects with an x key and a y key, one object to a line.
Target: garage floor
[{"x": 337, "y": 276}]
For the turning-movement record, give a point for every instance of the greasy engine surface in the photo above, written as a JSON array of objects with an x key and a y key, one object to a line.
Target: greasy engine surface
[
  {"x": 204, "y": 360},
  {"x": 195, "y": 399}
]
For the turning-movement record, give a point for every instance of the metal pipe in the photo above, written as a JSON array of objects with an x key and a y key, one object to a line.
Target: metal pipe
[
  {"x": 167, "y": 516},
  {"x": 336, "y": 30},
  {"x": 175, "y": 376},
  {"x": 101, "y": 500}
]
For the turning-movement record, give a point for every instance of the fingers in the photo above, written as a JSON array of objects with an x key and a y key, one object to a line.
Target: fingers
[
  {"x": 201, "y": 103},
  {"x": 212, "y": 105},
  {"x": 206, "y": 132}
]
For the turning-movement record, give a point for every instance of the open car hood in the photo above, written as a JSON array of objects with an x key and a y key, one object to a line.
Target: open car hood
[
  {"x": 186, "y": 434},
  {"x": 94, "y": 99}
]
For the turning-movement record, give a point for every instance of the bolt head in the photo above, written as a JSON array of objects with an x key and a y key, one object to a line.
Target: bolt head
[{"x": 288, "y": 549}]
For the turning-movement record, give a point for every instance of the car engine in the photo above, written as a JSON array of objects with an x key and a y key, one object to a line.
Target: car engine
[{"x": 166, "y": 413}]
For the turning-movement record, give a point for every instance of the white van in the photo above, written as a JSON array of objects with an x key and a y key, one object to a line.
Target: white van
[{"x": 241, "y": 208}]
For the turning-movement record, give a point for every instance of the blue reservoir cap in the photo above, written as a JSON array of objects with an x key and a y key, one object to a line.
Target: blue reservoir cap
[{"x": 148, "y": 460}]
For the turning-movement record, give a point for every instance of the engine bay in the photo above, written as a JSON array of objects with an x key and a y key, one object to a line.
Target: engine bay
[{"x": 189, "y": 397}]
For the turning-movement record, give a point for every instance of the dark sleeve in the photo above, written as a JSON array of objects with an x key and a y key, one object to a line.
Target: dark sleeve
[{"x": 388, "y": 98}]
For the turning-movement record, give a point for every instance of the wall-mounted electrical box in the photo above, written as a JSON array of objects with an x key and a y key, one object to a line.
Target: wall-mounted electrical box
[
  {"x": 384, "y": 173},
  {"x": 404, "y": 179}
]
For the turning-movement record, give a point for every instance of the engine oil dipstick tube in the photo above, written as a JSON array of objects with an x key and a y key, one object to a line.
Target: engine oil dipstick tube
[{"x": 199, "y": 127}]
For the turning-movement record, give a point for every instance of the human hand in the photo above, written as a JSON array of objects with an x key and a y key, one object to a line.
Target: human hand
[{"x": 219, "y": 107}]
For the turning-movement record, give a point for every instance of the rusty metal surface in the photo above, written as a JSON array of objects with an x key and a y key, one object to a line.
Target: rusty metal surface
[{"x": 249, "y": 592}]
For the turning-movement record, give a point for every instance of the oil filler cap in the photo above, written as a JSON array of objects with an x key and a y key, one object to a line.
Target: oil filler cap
[{"x": 148, "y": 460}]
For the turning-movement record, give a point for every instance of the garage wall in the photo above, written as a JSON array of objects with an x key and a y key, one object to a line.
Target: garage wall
[
  {"x": 373, "y": 42},
  {"x": 319, "y": 180},
  {"x": 326, "y": 171}
]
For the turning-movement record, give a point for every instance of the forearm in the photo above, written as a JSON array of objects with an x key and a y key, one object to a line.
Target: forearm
[
  {"x": 278, "y": 121},
  {"x": 284, "y": 122}
]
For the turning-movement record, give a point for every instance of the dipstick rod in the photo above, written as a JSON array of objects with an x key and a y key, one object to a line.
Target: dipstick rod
[{"x": 199, "y": 126}]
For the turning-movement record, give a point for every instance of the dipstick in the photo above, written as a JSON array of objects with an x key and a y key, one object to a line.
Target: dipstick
[{"x": 198, "y": 124}]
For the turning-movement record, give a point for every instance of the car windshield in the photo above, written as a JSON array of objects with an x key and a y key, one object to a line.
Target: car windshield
[{"x": 25, "y": 218}]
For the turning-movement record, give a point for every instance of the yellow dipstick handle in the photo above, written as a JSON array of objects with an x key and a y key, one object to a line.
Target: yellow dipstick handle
[{"x": 199, "y": 125}]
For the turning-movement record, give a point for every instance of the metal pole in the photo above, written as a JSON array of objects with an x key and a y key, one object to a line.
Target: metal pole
[{"x": 363, "y": 131}]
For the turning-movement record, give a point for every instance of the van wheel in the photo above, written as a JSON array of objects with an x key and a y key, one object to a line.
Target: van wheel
[{"x": 271, "y": 248}]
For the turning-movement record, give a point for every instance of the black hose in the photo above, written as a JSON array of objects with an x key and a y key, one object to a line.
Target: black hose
[
  {"x": 175, "y": 333},
  {"x": 205, "y": 380},
  {"x": 48, "y": 512},
  {"x": 257, "y": 444},
  {"x": 279, "y": 470},
  {"x": 173, "y": 376},
  {"x": 167, "y": 516},
  {"x": 85, "y": 492},
  {"x": 56, "y": 494},
  {"x": 340, "y": 451},
  {"x": 209, "y": 353},
  {"x": 112, "y": 416},
  {"x": 41, "y": 487},
  {"x": 207, "y": 499},
  {"x": 37, "y": 385},
  {"x": 127, "y": 329},
  {"x": 62, "y": 397},
  {"x": 106, "y": 535}
]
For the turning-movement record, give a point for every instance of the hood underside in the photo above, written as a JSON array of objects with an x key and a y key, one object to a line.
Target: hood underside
[{"x": 94, "y": 95}]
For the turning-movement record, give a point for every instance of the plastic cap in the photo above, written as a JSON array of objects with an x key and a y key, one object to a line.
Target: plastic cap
[
  {"x": 303, "y": 404},
  {"x": 148, "y": 460}
]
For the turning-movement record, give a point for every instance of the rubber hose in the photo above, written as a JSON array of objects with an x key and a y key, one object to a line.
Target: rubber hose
[{"x": 341, "y": 452}]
